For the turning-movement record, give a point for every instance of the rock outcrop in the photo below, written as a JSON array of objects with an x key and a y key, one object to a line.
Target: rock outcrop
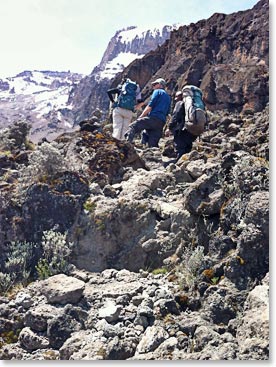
[
  {"x": 227, "y": 56},
  {"x": 202, "y": 226}
]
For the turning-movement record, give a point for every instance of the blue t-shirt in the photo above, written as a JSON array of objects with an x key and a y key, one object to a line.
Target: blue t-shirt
[{"x": 160, "y": 103}]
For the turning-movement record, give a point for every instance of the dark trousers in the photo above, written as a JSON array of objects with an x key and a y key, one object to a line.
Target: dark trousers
[
  {"x": 183, "y": 141},
  {"x": 153, "y": 127}
]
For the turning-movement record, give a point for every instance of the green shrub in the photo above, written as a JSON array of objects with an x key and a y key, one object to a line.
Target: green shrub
[
  {"x": 192, "y": 262},
  {"x": 17, "y": 268},
  {"x": 56, "y": 253},
  {"x": 160, "y": 271},
  {"x": 45, "y": 163}
]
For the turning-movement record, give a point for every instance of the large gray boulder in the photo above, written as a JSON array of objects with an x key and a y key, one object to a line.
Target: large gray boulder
[{"x": 62, "y": 289}]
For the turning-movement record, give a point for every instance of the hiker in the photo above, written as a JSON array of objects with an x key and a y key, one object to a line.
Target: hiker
[
  {"x": 183, "y": 139},
  {"x": 153, "y": 117},
  {"x": 128, "y": 95}
]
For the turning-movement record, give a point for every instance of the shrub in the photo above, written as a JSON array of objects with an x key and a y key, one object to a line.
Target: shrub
[
  {"x": 192, "y": 262},
  {"x": 44, "y": 163},
  {"x": 17, "y": 268},
  {"x": 159, "y": 271},
  {"x": 14, "y": 136},
  {"x": 56, "y": 253}
]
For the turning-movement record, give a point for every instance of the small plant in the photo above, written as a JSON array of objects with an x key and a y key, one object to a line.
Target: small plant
[
  {"x": 214, "y": 280},
  {"x": 45, "y": 164},
  {"x": 188, "y": 271},
  {"x": 6, "y": 153},
  {"x": 160, "y": 271},
  {"x": 100, "y": 224},
  {"x": 10, "y": 337},
  {"x": 5, "y": 282},
  {"x": 43, "y": 269},
  {"x": 56, "y": 253},
  {"x": 89, "y": 205},
  {"x": 17, "y": 267}
]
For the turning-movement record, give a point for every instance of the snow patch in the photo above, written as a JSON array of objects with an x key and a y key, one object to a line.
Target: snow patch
[
  {"x": 117, "y": 64},
  {"x": 127, "y": 36}
]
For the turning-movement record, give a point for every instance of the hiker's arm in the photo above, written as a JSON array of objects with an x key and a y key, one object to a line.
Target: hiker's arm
[
  {"x": 177, "y": 116},
  {"x": 145, "y": 112},
  {"x": 110, "y": 93},
  {"x": 141, "y": 102}
]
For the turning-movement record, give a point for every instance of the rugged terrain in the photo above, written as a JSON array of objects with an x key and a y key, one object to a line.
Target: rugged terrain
[
  {"x": 168, "y": 261},
  {"x": 110, "y": 251}
]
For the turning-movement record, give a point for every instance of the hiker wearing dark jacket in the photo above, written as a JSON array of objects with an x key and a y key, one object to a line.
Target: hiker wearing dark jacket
[
  {"x": 121, "y": 117},
  {"x": 183, "y": 139},
  {"x": 153, "y": 117}
]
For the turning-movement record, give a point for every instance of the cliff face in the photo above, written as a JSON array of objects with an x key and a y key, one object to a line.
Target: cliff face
[
  {"x": 124, "y": 47},
  {"x": 226, "y": 55}
]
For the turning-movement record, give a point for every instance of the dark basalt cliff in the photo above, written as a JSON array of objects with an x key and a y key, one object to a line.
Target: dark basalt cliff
[{"x": 226, "y": 55}]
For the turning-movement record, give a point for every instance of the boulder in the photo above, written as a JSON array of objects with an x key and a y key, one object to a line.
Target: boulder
[{"x": 62, "y": 289}]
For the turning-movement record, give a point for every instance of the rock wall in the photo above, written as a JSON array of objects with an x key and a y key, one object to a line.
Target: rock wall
[{"x": 227, "y": 56}]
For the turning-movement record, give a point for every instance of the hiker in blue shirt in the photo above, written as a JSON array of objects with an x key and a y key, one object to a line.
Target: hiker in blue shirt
[{"x": 153, "y": 118}]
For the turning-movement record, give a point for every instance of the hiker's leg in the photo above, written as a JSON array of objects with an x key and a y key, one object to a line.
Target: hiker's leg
[
  {"x": 179, "y": 143},
  {"x": 127, "y": 116},
  {"x": 117, "y": 123},
  {"x": 184, "y": 142},
  {"x": 144, "y": 137},
  {"x": 155, "y": 131},
  {"x": 154, "y": 137},
  {"x": 136, "y": 127}
]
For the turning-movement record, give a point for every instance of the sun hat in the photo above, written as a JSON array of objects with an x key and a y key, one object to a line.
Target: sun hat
[{"x": 160, "y": 81}]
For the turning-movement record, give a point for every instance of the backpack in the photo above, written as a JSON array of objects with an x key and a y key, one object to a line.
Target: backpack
[
  {"x": 127, "y": 97},
  {"x": 195, "y": 115}
]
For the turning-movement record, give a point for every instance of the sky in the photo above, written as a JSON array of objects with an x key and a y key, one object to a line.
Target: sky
[{"x": 62, "y": 35}]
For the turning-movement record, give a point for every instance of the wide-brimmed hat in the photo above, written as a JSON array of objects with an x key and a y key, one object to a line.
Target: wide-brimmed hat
[{"x": 159, "y": 81}]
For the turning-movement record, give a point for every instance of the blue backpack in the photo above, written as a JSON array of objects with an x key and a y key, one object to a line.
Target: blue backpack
[{"x": 127, "y": 97}]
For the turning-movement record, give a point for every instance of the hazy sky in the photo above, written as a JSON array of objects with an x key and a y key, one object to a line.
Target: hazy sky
[{"x": 73, "y": 34}]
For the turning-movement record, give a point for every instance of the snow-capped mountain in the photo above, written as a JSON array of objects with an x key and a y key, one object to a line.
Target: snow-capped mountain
[
  {"x": 130, "y": 44},
  {"x": 41, "y": 97},
  {"x": 124, "y": 47},
  {"x": 54, "y": 102}
]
